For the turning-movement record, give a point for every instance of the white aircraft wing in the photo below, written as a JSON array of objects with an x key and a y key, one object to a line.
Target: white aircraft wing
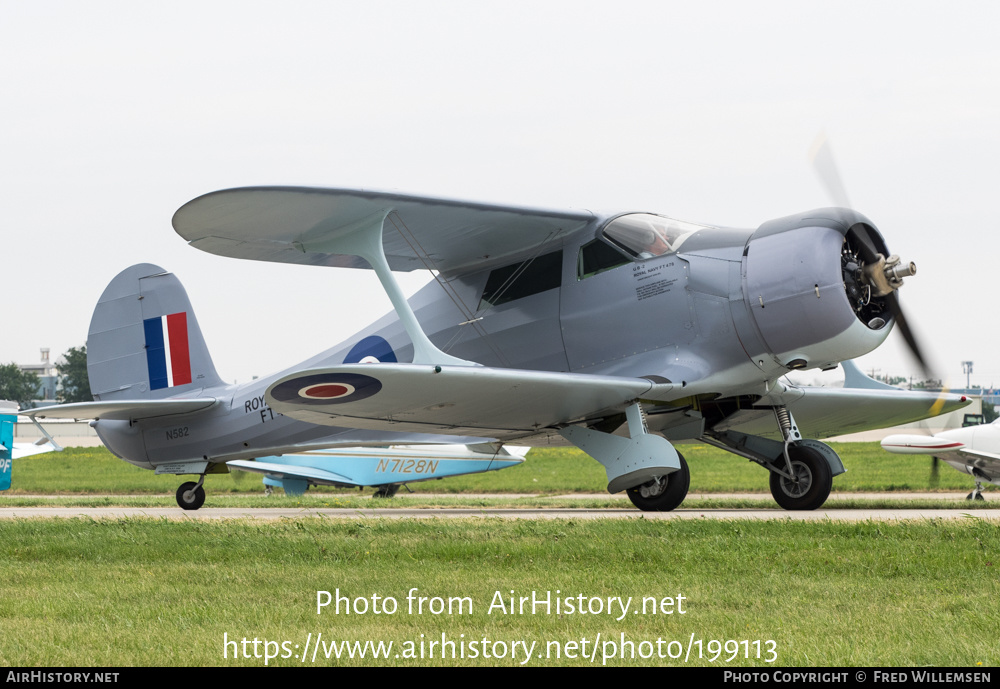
[
  {"x": 291, "y": 225},
  {"x": 372, "y": 466},
  {"x": 959, "y": 455},
  {"x": 293, "y": 471},
  {"x": 457, "y": 400},
  {"x": 37, "y": 448}
]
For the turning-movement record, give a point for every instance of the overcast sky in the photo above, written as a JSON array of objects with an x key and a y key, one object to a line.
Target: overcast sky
[{"x": 114, "y": 114}]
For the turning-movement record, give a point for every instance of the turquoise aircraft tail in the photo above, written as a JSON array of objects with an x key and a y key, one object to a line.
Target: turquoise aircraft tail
[
  {"x": 8, "y": 416},
  {"x": 144, "y": 341}
]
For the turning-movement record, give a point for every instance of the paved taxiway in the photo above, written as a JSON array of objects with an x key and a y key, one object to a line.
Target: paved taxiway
[
  {"x": 963, "y": 510},
  {"x": 266, "y": 513}
]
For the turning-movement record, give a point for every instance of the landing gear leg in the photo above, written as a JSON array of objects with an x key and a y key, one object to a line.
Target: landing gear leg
[
  {"x": 191, "y": 495},
  {"x": 977, "y": 494},
  {"x": 663, "y": 493},
  {"x": 802, "y": 470}
]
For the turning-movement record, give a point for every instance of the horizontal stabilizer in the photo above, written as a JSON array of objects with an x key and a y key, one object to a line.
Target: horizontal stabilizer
[
  {"x": 455, "y": 400},
  {"x": 125, "y": 410}
]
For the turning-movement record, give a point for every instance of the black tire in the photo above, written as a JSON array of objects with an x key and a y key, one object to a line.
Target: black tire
[
  {"x": 671, "y": 493},
  {"x": 195, "y": 501},
  {"x": 814, "y": 482},
  {"x": 386, "y": 491}
]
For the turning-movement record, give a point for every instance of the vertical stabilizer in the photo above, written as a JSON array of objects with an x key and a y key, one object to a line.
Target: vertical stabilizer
[{"x": 144, "y": 340}]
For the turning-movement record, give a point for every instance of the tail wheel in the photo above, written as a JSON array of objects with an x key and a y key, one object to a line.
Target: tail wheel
[
  {"x": 811, "y": 483},
  {"x": 663, "y": 494},
  {"x": 190, "y": 496}
]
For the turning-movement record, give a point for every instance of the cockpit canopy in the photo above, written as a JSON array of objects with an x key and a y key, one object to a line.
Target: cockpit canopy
[
  {"x": 633, "y": 237},
  {"x": 645, "y": 235}
]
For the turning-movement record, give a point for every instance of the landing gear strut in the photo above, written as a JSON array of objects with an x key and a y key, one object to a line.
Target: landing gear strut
[
  {"x": 191, "y": 495},
  {"x": 802, "y": 470},
  {"x": 977, "y": 494},
  {"x": 663, "y": 493}
]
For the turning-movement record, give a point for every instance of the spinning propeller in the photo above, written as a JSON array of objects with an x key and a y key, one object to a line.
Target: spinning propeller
[{"x": 883, "y": 275}]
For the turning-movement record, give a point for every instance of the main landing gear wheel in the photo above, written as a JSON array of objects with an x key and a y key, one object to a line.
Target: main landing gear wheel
[
  {"x": 811, "y": 484},
  {"x": 664, "y": 493},
  {"x": 190, "y": 496}
]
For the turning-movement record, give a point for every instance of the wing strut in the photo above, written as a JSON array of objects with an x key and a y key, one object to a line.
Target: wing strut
[
  {"x": 364, "y": 239},
  {"x": 456, "y": 299}
]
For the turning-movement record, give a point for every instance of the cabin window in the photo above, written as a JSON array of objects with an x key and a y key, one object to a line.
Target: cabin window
[
  {"x": 596, "y": 257},
  {"x": 523, "y": 279}
]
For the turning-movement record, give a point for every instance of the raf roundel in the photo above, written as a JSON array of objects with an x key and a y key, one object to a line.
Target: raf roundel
[
  {"x": 327, "y": 388},
  {"x": 326, "y": 391}
]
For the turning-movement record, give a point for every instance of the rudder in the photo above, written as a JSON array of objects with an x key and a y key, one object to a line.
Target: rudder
[{"x": 144, "y": 341}]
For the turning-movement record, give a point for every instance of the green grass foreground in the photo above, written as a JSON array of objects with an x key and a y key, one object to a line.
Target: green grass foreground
[
  {"x": 156, "y": 592},
  {"x": 82, "y": 471}
]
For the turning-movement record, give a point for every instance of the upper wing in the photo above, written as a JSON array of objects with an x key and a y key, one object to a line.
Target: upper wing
[
  {"x": 285, "y": 224},
  {"x": 458, "y": 400}
]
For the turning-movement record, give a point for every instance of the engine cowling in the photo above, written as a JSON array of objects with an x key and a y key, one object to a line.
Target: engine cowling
[{"x": 818, "y": 287}]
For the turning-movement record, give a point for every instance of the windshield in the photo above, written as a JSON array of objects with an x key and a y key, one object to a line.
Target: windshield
[{"x": 645, "y": 235}]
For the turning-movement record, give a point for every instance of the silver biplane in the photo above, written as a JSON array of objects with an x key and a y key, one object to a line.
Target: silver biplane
[{"x": 623, "y": 335}]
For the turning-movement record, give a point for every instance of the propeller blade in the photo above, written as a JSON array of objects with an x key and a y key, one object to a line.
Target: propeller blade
[
  {"x": 822, "y": 159},
  {"x": 892, "y": 300},
  {"x": 935, "y": 477},
  {"x": 821, "y": 156}
]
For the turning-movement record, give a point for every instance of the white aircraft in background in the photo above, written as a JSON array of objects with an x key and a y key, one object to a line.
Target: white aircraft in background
[
  {"x": 9, "y": 450},
  {"x": 972, "y": 450}
]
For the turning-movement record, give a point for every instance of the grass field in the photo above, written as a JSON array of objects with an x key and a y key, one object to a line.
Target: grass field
[
  {"x": 151, "y": 592},
  {"x": 127, "y": 592}
]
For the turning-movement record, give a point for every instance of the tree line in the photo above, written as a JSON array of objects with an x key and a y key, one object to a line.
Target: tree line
[{"x": 22, "y": 386}]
